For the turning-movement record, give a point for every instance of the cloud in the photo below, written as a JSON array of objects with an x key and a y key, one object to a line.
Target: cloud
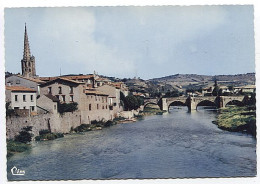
[{"x": 72, "y": 31}]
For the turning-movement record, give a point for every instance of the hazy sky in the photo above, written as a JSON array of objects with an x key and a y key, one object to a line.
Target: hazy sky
[{"x": 146, "y": 42}]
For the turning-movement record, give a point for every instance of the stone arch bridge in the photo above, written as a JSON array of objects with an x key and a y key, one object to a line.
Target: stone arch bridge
[{"x": 193, "y": 102}]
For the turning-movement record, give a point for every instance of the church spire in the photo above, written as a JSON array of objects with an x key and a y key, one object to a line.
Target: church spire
[
  {"x": 26, "y": 50},
  {"x": 28, "y": 61}
]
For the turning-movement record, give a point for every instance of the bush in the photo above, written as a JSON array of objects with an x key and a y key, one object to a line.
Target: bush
[
  {"x": 13, "y": 146},
  {"x": 82, "y": 128},
  {"x": 108, "y": 123},
  {"x": 42, "y": 132},
  {"x": 49, "y": 136},
  {"x": 67, "y": 107},
  {"x": 24, "y": 136}
]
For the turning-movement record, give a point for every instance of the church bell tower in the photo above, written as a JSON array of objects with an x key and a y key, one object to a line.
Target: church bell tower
[{"x": 28, "y": 61}]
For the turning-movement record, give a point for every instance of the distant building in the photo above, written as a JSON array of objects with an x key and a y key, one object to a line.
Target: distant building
[
  {"x": 245, "y": 89},
  {"x": 28, "y": 61},
  {"x": 21, "y": 98},
  {"x": 19, "y": 80}
]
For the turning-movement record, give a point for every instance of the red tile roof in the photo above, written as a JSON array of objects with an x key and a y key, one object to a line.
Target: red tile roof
[{"x": 19, "y": 88}]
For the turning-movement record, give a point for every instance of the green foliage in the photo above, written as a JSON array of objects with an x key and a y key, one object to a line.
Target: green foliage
[
  {"x": 41, "y": 132},
  {"x": 174, "y": 93},
  {"x": 24, "y": 136},
  {"x": 48, "y": 136},
  {"x": 238, "y": 119},
  {"x": 108, "y": 123},
  {"x": 8, "y": 109},
  {"x": 131, "y": 102},
  {"x": 68, "y": 107},
  {"x": 82, "y": 128},
  {"x": 13, "y": 147},
  {"x": 215, "y": 91}
]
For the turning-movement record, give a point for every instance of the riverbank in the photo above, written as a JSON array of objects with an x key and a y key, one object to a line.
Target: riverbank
[
  {"x": 151, "y": 110},
  {"x": 237, "y": 119},
  {"x": 16, "y": 147}
]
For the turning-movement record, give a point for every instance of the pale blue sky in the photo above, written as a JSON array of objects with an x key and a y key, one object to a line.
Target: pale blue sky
[{"x": 146, "y": 42}]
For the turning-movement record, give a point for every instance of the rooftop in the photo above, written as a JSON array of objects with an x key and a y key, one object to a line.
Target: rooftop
[{"x": 19, "y": 88}]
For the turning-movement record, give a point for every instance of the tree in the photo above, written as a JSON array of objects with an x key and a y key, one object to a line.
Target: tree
[
  {"x": 131, "y": 102},
  {"x": 24, "y": 136},
  {"x": 216, "y": 89},
  {"x": 8, "y": 109},
  {"x": 67, "y": 107}
]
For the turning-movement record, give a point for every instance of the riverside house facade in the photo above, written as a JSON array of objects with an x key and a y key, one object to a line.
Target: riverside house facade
[
  {"x": 92, "y": 104},
  {"x": 21, "y": 99}
]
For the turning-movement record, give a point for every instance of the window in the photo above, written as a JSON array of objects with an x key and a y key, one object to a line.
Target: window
[
  {"x": 89, "y": 107},
  {"x": 60, "y": 90},
  {"x": 24, "y": 98},
  {"x": 71, "y": 98},
  {"x": 114, "y": 104},
  {"x": 24, "y": 107},
  {"x": 49, "y": 89},
  {"x": 97, "y": 106},
  {"x": 55, "y": 107},
  {"x": 32, "y": 108},
  {"x": 16, "y": 98},
  {"x": 103, "y": 107},
  {"x": 71, "y": 89},
  {"x": 16, "y": 107},
  {"x": 31, "y": 98},
  {"x": 63, "y": 98},
  {"x": 106, "y": 106}
]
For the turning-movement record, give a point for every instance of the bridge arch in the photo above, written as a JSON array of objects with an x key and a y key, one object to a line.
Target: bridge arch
[
  {"x": 206, "y": 103},
  {"x": 153, "y": 103}
]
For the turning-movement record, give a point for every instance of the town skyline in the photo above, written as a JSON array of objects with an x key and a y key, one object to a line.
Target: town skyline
[{"x": 146, "y": 59}]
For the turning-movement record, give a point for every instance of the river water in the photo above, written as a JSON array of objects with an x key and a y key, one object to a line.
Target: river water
[{"x": 174, "y": 145}]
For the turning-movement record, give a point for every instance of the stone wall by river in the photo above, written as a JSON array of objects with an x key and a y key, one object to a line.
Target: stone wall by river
[{"x": 56, "y": 122}]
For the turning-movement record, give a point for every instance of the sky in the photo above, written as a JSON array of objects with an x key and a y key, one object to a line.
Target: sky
[{"x": 126, "y": 42}]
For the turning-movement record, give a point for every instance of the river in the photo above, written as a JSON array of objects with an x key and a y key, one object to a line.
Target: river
[{"x": 174, "y": 145}]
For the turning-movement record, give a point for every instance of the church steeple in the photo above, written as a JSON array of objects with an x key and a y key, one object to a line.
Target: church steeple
[
  {"x": 26, "y": 50},
  {"x": 28, "y": 61}
]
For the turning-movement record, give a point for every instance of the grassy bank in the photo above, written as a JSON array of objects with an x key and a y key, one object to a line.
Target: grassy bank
[
  {"x": 237, "y": 119},
  {"x": 16, "y": 147},
  {"x": 95, "y": 125},
  {"x": 151, "y": 110}
]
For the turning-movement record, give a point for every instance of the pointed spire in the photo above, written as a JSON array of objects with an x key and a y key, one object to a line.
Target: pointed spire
[{"x": 26, "y": 51}]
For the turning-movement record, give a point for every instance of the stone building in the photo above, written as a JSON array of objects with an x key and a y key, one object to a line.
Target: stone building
[
  {"x": 92, "y": 104},
  {"x": 65, "y": 90},
  {"x": 47, "y": 104},
  {"x": 21, "y": 98},
  {"x": 19, "y": 80},
  {"x": 96, "y": 106},
  {"x": 113, "y": 98},
  {"x": 28, "y": 61}
]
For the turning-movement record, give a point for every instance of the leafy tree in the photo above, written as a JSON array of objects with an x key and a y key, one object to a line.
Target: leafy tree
[
  {"x": 216, "y": 89},
  {"x": 24, "y": 136},
  {"x": 68, "y": 107},
  {"x": 131, "y": 102},
  {"x": 231, "y": 88},
  {"x": 8, "y": 109}
]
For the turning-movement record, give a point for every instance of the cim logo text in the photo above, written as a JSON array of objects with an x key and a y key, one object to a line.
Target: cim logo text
[{"x": 16, "y": 171}]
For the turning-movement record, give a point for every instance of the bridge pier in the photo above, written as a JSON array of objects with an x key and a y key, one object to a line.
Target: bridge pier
[
  {"x": 192, "y": 105},
  {"x": 164, "y": 106}
]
